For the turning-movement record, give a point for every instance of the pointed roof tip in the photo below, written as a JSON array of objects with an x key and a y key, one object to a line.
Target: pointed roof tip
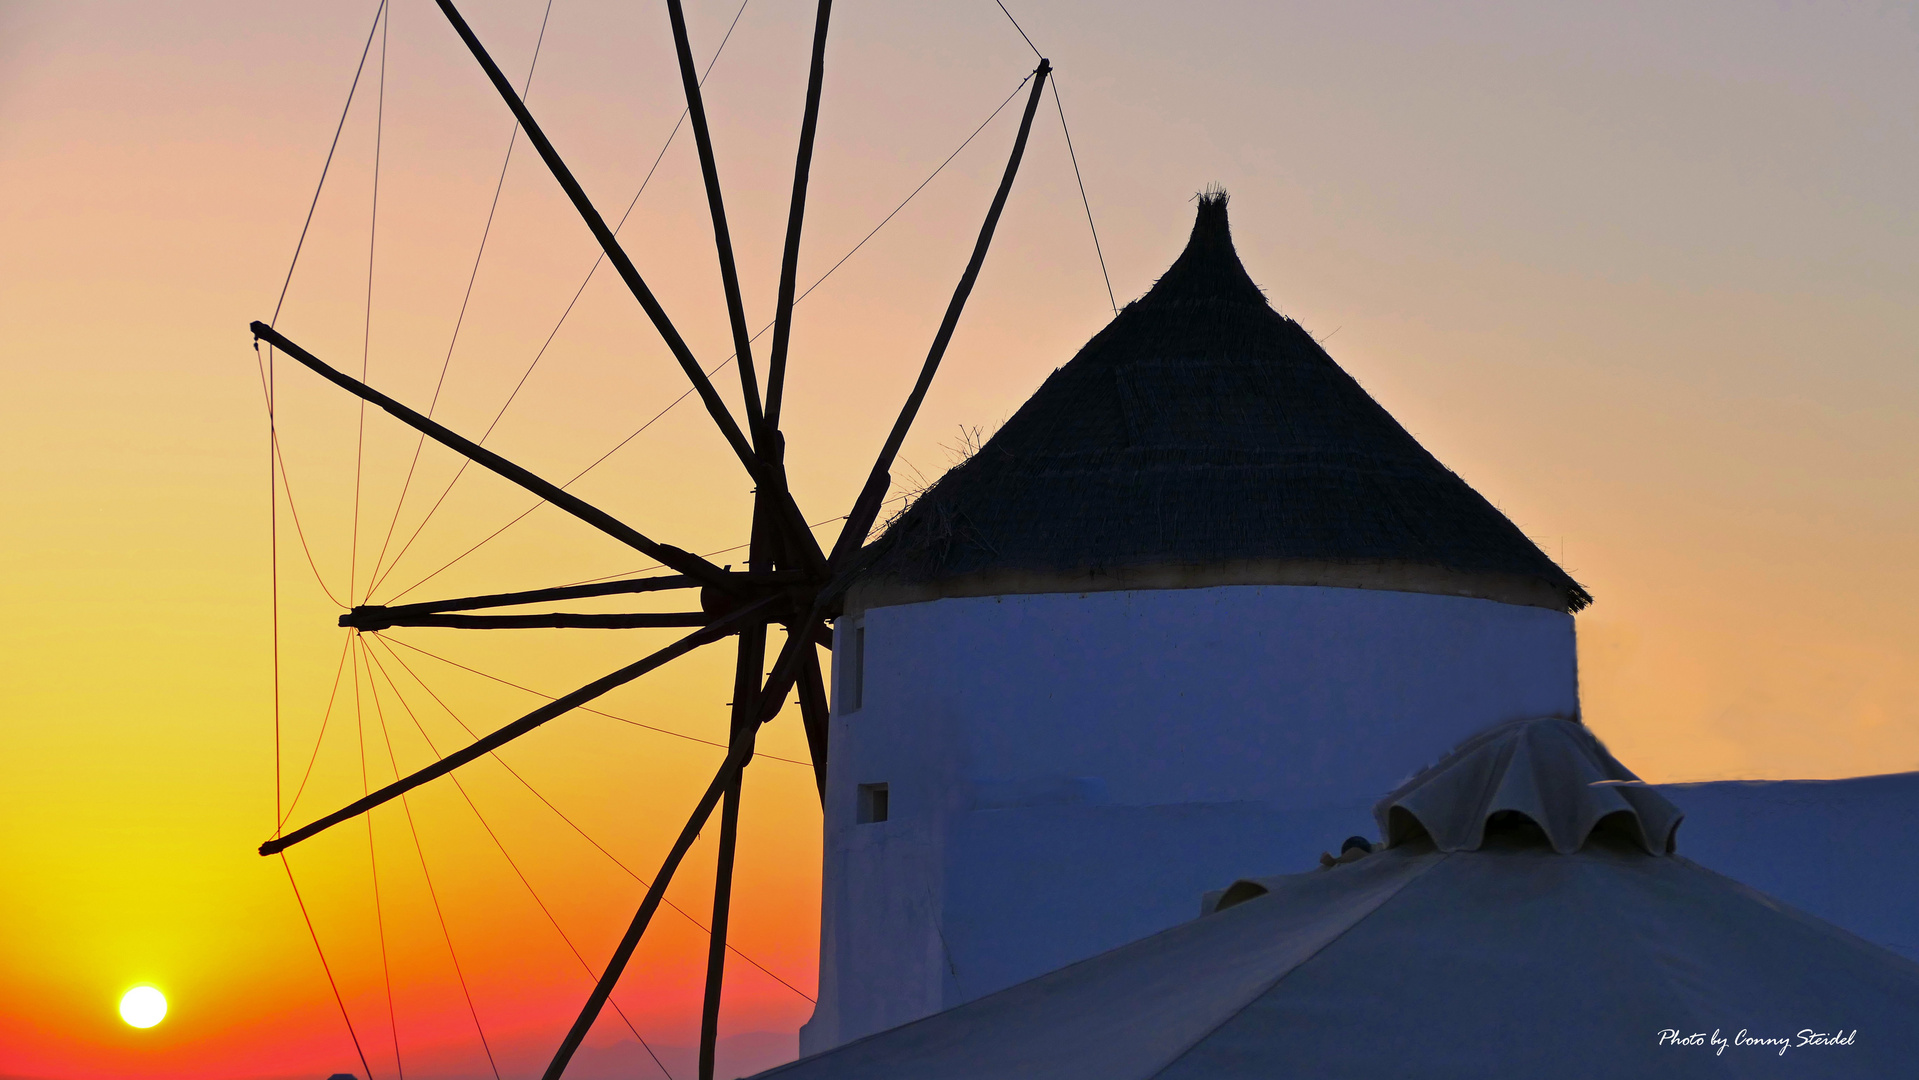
[
  {"x": 1209, "y": 267},
  {"x": 1212, "y": 202},
  {"x": 1210, "y": 225}
]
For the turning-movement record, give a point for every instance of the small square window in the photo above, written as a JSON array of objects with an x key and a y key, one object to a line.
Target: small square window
[{"x": 872, "y": 805}]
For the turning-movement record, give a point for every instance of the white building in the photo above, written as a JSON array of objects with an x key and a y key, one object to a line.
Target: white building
[
  {"x": 1193, "y": 609},
  {"x": 1839, "y": 849},
  {"x": 1527, "y": 918}
]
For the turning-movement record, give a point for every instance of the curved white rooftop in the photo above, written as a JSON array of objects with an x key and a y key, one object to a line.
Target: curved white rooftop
[
  {"x": 1500, "y": 955},
  {"x": 1551, "y": 772}
]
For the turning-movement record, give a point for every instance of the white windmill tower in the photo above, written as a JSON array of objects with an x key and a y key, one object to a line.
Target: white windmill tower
[{"x": 1194, "y": 608}]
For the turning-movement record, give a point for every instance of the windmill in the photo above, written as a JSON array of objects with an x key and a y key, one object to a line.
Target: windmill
[{"x": 790, "y": 580}]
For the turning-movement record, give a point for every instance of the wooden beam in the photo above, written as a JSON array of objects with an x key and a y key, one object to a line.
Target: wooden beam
[
  {"x": 684, "y": 561},
  {"x": 747, "y": 699},
  {"x": 866, "y": 508},
  {"x": 524, "y": 724},
  {"x": 826, "y": 600},
  {"x": 766, "y": 440},
  {"x": 656, "y": 892},
  {"x": 858, "y": 527},
  {"x": 558, "y": 620},
  {"x": 787, "y": 514},
  {"x": 801, "y": 639},
  {"x": 530, "y": 596},
  {"x": 722, "y": 236},
  {"x": 816, "y": 716},
  {"x": 716, "y": 938},
  {"x": 610, "y": 244},
  {"x": 795, "y": 217}
]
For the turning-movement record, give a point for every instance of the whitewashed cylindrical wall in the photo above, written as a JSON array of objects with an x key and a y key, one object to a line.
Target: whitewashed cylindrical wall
[{"x": 1062, "y": 773}]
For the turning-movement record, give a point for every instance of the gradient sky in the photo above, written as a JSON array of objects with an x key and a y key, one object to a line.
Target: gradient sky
[{"x": 1642, "y": 274}]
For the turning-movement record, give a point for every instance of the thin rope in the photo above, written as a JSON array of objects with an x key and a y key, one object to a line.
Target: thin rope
[
  {"x": 324, "y": 718},
  {"x": 710, "y": 554},
  {"x": 592, "y": 976},
  {"x": 273, "y": 563},
  {"x": 916, "y": 191},
  {"x": 373, "y": 861},
  {"x": 388, "y": 641},
  {"x": 471, "y": 805},
  {"x": 267, "y": 379},
  {"x": 817, "y": 282},
  {"x": 317, "y": 188},
  {"x": 273, "y": 577},
  {"x": 1022, "y": 31},
  {"x": 1084, "y": 201},
  {"x": 276, "y": 462},
  {"x": 522, "y": 515},
  {"x": 577, "y": 293},
  {"x": 420, "y": 850},
  {"x": 324, "y": 966},
  {"x": 584, "y": 835},
  {"x": 526, "y": 89},
  {"x": 293, "y": 511},
  {"x": 366, "y": 338},
  {"x": 1110, "y": 299}
]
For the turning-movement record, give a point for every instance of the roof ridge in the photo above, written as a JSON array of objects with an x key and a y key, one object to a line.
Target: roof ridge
[{"x": 1424, "y": 863}]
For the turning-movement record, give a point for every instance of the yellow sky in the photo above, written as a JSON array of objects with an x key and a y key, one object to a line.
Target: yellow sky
[{"x": 1642, "y": 276}]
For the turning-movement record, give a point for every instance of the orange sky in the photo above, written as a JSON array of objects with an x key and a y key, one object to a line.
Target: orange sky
[{"x": 1642, "y": 276}]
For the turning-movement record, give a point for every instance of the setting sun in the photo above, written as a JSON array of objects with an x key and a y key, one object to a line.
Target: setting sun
[{"x": 143, "y": 1007}]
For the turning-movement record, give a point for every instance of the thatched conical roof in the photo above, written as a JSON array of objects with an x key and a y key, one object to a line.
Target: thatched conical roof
[{"x": 1200, "y": 429}]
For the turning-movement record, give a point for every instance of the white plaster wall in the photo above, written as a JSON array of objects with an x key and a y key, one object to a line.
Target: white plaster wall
[
  {"x": 1069, "y": 772},
  {"x": 1838, "y": 849}
]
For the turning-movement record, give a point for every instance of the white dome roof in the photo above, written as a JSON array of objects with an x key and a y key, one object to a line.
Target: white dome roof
[{"x": 1552, "y": 773}]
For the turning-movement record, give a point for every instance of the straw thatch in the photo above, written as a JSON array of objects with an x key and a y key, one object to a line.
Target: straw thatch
[{"x": 1201, "y": 427}]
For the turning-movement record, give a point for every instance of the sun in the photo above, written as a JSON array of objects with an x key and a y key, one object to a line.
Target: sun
[{"x": 143, "y": 1007}]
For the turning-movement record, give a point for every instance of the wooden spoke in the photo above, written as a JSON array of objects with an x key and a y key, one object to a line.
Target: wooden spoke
[
  {"x": 557, "y": 707},
  {"x": 779, "y": 681},
  {"x": 866, "y": 508},
  {"x": 542, "y": 621},
  {"x": 716, "y": 940},
  {"x": 815, "y": 715},
  {"x": 610, "y": 244},
  {"x": 364, "y": 616},
  {"x": 747, "y": 698},
  {"x": 684, "y": 561},
  {"x": 858, "y": 527},
  {"x": 722, "y": 236},
  {"x": 766, "y": 440},
  {"x": 722, "y": 780},
  {"x": 790, "y": 258},
  {"x": 857, "y": 560},
  {"x": 792, "y": 523}
]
